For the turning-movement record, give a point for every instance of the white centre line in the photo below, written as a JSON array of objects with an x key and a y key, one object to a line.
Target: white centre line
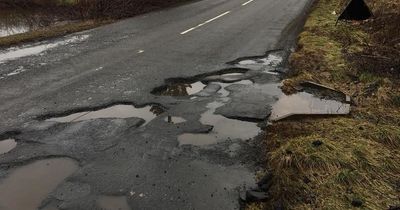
[
  {"x": 247, "y": 2},
  {"x": 208, "y": 21}
]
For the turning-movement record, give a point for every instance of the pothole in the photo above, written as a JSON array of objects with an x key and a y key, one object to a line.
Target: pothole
[
  {"x": 113, "y": 203},
  {"x": 174, "y": 120},
  {"x": 147, "y": 113},
  {"x": 223, "y": 128},
  {"x": 194, "y": 85},
  {"x": 304, "y": 103},
  {"x": 267, "y": 63},
  {"x": 7, "y": 145},
  {"x": 180, "y": 89},
  {"x": 225, "y": 93},
  {"x": 27, "y": 186}
]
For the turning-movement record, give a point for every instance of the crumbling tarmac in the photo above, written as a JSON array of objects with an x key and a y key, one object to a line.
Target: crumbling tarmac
[{"x": 125, "y": 155}]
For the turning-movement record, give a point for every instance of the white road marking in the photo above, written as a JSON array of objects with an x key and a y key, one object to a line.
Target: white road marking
[
  {"x": 208, "y": 21},
  {"x": 140, "y": 51},
  {"x": 248, "y": 2}
]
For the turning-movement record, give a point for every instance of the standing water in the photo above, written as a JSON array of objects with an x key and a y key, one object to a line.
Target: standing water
[{"x": 27, "y": 186}]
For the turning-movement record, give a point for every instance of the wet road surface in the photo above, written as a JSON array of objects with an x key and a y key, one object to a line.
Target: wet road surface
[{"x": 161, "y": 111}]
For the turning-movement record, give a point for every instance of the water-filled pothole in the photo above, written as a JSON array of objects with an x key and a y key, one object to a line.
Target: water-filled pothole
[
  {"x": 113, "y": 203},
  {"x": 224, "y": 93},
  {"x": 267, "y": 63},
  {"x": 7, "y": 145},
  {"x": 147, "y": 113},
  {"x": 174, "y": 119},
  {"x": 223, "y": 128},
  {"x": 196, "y": 84},
  {"x": 27, "y": 186},
  {"x": 180, "y": 89},
  {"x": 304, "y": 103}
]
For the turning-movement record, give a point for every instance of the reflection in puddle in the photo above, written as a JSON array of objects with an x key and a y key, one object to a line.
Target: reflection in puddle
[
  {"x": 7, "y": 145},
  {"x": 147, "y": 113},
  {"x": 17, "y": 20},
  {"x": 27, "y": 186},
  {"x": 174, "y": 120},
  {"x": 113, "y": 203},
  {"x": 16, "y": 52},
  {"x": 7, "y": 31},
  {"x": 306, "y": 103},
  {"x": 195, "y": 88},
  {"x": 224, "y": 128},
  {"x": 180, "y": 89}
]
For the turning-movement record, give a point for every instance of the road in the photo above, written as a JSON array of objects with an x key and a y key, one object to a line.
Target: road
[{"x": 122, "y": 63}]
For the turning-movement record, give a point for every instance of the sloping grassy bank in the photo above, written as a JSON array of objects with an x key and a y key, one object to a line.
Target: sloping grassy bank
[{"x": 342, "y": 162}]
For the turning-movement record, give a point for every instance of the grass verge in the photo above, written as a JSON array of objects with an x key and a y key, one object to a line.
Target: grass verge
[{"x": 358, "y": 163}]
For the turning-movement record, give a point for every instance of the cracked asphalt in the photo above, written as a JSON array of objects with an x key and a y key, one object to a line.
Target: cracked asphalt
[{"x": 122, "y": 63}]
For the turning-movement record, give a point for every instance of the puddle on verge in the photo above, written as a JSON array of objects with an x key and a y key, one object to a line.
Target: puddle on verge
[
  {"x": 113, "y": 203},
  {"x": 304, "y": 103},
  {"x": 27, "y": 186},
  {"x": 7, "y": 145},
  {"x": 147, "y": 113},
  {"x": 224, "y": 128},
  {"x": 16, "y": 52}
]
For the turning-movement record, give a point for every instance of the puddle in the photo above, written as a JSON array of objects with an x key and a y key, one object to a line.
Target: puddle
[
  {"x": 224, "y": 93},
  {"x": 266, "y": 64},
  {"x": 147, "y": 113},
  {"x": 13, "y": 22},
  {"x": 11, "y": 30},
  {"x": 180, "y": 89},
  {"x": 304, "y": 103},
  {"x": 174, "y": 120},
  {"x": 27, "y": 186},
  {"x": 7, "y": 145},
  {"x": 16, "y": 52},
  {"x": 224, "y": 128},
  {"x": 113, "y": 203},
  {"x": 231, "y": 77}
]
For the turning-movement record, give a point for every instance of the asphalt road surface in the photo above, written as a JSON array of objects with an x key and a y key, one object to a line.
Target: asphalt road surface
[{"x": 145, "y": 165}]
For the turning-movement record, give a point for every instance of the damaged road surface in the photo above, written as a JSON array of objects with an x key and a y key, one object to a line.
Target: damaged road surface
[{"x": 160, "y": 111}]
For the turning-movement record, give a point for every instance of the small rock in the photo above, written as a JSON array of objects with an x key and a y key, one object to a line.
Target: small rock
[
  {"x": 317, "y": 143},
  {"x": 254, "y": 196},
  {"x": 356, "y": 203}
]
